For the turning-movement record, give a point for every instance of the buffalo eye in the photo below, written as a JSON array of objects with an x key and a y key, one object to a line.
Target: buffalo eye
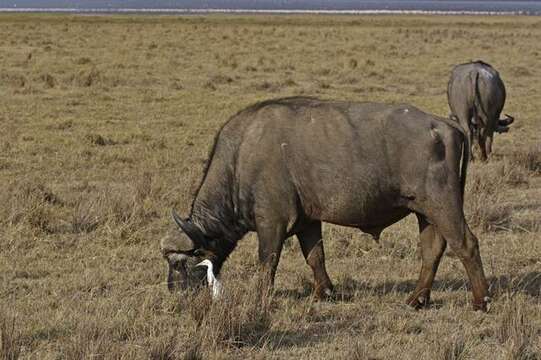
[{"x": 198, "y": 252}]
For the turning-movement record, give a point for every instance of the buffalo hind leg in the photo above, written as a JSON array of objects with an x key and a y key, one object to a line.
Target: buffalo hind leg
[
  {"x": 432, "y": 248},
  {"x": 466, "y": 246},
  {"x": 468, "y": 252},
  {"x": 466, "y": 119},
  {"x": 311, "y": 243},
  {"x": 489, "y": 135},
  {"x": 488, "y": 145},
  {"x": 483, "y": 148}
]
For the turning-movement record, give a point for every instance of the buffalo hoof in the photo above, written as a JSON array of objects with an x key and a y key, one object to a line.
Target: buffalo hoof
[
  {"x": 482, "y": 305},
  {"x": 419, "y": 300},
  {"x": 324, "y": 293}
]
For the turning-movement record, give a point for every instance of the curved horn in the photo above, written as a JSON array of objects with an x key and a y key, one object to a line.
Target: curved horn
[
  {"x": 177, "y": 219},
  {"x": 188, "y": 227},
  {"x": 508, "y": 120}
]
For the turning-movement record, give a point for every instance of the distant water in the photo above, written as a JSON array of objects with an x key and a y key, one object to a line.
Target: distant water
[{"x": 292, "y": 6}]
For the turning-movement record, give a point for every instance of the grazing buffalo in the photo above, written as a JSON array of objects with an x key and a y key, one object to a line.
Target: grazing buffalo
[
  {"x": 476, "y": 96},
  {"x": 284, "y": 166}
]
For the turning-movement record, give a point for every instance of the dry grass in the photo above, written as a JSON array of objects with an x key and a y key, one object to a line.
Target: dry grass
[
  {"x": 10, "y": 347},
  {"x": 516, "y": 332},
  {"x": 241, "y": 318},
  {"x": 530, "y": 159},
  {"x": 106, "y": 122}
]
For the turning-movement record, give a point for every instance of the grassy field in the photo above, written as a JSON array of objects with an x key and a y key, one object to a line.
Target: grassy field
[{"x": 106, "y": 123}]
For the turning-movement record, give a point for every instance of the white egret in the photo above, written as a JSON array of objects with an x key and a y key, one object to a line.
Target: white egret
[{"x": 212, "y": 281}]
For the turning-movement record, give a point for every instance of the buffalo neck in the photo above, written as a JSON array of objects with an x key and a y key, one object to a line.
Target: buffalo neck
[{"x": 213, "y": 213}]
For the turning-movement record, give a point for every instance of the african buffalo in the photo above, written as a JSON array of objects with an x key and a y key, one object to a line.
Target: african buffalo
[
  {"x": 476, "y": 96},
  {"x": 282, "y": 167}
]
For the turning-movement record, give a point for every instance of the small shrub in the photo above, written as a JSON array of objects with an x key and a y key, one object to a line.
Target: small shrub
[
  {"x": 289, "y": 82},
  {"x": 62, "y": 125},
  {"x": 220, "y": 79},
  {"x": 83, "y": 61},
  {"x": 176, "y": 85},
  {"x": 88, "y": 78},
  {"x": 97, "y": 139},
  {"x": 268, "y": 86},
  {"x": 40, "y": 218},
  {"x": 323, "y": 72},
  {"x": 85, "y": 218},
  {"x": 209, "y": 86},
  {"x": 13, "y": 79},
  {"x": 48, "y": 80},
  {"x": 324, "y": 85}
]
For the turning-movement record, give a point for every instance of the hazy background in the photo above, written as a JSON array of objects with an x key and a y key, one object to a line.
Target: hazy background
[{"x": 428, "y": 5}]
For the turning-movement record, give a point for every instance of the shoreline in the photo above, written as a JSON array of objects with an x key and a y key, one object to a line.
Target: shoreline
[{"x": 262, "y": 12}]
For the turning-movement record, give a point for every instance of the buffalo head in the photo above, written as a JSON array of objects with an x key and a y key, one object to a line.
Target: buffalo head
[{"x": 190, "y": 264}]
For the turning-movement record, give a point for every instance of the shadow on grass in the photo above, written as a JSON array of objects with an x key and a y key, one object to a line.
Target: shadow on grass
[
  {"x": 313, "y": 333},
  {"x": 527, "y": 283}
]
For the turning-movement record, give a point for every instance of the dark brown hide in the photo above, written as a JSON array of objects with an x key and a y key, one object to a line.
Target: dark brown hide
[
  {"x": 282, "y": 167},
  {"x": 476, "y": 96}
]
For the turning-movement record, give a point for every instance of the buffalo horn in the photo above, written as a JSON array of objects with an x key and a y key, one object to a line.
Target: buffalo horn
[
  {"x": 508, "y": 120},
  {"x": 188, "y": 228}
]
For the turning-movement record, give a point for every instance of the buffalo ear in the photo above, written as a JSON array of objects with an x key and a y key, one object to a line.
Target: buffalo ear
[{"x": 190, "y": 229}]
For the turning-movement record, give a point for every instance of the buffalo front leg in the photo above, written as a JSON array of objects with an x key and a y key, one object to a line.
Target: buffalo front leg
[
  {"x": 432, "y": 248},
  {"x": 311, "y": 243},
  {"x": 271, "y": 236}
]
